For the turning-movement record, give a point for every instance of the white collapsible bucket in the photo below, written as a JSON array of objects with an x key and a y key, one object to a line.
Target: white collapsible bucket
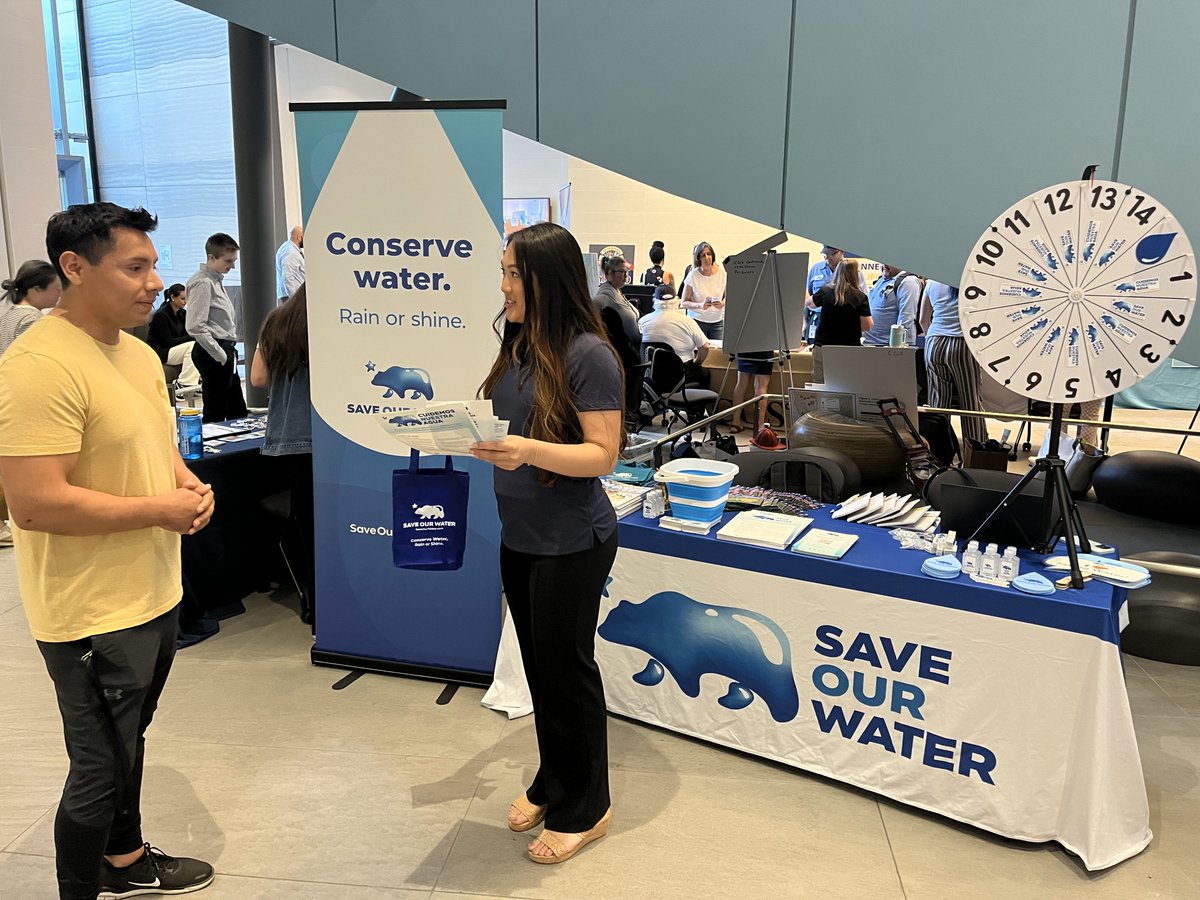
[{"x": 697, "y": 488}]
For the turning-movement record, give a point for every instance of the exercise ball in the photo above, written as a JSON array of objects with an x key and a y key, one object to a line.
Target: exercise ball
[
  {"x": 1164, "y": 616},
  {"x": 871, "y": 447},
  {"x": 1151, "y": 483}
]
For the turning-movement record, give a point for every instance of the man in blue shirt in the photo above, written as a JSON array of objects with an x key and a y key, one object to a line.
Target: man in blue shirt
[
  {"x": 894, "y": 299},
  {"x": 819, "y": 275}
]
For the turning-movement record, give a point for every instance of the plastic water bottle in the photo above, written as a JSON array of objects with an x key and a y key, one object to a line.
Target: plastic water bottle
[
  {"x": 654, "y": 504},
  {"x": 989, "y": 563},
  {"x": 191, "y": 434},
  {"x": 1010, "y": 566},
  {"x": 970, "y": 558}
]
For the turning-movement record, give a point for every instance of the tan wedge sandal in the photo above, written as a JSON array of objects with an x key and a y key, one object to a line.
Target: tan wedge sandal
[
  {"x": 534, "y": 815},
  {"x": 558, "y": 851}
]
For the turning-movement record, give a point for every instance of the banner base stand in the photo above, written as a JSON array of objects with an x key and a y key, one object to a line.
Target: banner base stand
[{"x": 395, "y": 667}]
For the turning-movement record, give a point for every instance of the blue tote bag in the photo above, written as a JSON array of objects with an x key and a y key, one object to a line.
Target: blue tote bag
[{"x": 429, "y": 516}]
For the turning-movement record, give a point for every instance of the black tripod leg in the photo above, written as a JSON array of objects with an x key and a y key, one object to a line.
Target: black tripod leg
[{"x": 1069, "y": 519}]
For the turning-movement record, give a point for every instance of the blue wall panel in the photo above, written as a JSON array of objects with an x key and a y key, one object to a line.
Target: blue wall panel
[
  {"x": 1162, "y": 121},
  {"x": 449, "y": 50},
  {"x": 686, "y": 97},
  {"x": 912, "y": 128},
  {"x": 306, "y": 23}
]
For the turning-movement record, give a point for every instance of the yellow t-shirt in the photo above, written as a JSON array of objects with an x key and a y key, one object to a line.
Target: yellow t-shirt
[{"x": 61, "y": 391}]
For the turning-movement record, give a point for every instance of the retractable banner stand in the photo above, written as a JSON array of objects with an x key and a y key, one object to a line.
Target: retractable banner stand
[{"x": 402, "y": 225}]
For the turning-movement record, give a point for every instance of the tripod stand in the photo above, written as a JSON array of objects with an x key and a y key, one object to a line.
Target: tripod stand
[{"x": 1056, "y": 498}]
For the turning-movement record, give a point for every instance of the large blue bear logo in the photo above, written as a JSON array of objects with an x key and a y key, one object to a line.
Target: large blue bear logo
[
  {"x": 692, "y": 639},
  {"x": 399, "y": 380}
]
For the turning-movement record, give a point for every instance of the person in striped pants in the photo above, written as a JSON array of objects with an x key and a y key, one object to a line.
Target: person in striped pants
[{"x": 950, "y": 366}]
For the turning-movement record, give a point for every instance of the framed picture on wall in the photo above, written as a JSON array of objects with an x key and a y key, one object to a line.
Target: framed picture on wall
[{"x": 521, "y": 212}]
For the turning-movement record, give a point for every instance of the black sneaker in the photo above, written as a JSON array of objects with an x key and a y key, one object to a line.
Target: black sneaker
[{"x": 154, "y": 873}]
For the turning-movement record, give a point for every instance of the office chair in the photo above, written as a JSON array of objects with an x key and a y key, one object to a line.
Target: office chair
[{"x": 679, "y": 401}]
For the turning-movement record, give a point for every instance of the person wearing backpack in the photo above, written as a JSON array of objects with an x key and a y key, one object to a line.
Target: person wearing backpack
[{"x": 894, "y": 300}]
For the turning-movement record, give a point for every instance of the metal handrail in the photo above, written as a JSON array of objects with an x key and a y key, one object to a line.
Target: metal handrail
[{"x": 1021, "y": 417}]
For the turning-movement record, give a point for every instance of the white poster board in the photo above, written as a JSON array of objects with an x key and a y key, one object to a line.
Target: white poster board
[
  {"x": 873, "y": 374},
  {"x": 753, "y": 319}
]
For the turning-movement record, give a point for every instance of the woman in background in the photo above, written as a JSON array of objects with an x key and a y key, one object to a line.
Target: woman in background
[
  {"x": 845, "y": 314},
  {"x": 34, "y": 288},
  {"x": 656, "y": 274},
  {"x": 704, "y": 292},
  {"x": 949, "y": 365},
  {"x": 281, "y": 365},
  {"x": 558, "y": 382}
]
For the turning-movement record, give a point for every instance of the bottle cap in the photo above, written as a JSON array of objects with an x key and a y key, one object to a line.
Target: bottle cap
[{"x": 189, "y": 411}]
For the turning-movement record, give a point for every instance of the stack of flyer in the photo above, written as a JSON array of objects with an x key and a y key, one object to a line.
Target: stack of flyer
[
  {"x": 626, "y": 498},
  {"x": 763, "y": 529},
  {"x": 829, "y": 544},
  {"x": 888, "y": 511}
]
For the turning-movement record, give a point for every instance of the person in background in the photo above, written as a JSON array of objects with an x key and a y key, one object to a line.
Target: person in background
[
  {"x": 212, "y": 323},
  {"x": 34, "y": 289},
  {"x": 670, "y": 325},
  {"x": 845, "y": 313},
  {"x": 99, "y": 500},
  {"x": 656, "y": 274},
  {"x": 950, "y": 368},
  {"x": 169, "y": 338},
  {"x": 609, "y": 296},
  {"x": 281, "y": 365},
  {"x": 819, "y": 275},
  {"x": 752, "y": 368},
  {"x": 895, "y": 299},
  {"x": 558, "y": 382},
  {"x": 289, "y": 264},
  {"x": 704, "y": 292}
]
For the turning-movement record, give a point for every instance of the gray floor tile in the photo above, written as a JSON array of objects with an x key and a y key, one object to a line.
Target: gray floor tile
[
  {"x": 687, "y": 836},
  {"x": 292, "y": 704},
  {"x": 27, "y": 877},
  {"x": 336, "y": 818},
  {"x": 33, "y": 766}
]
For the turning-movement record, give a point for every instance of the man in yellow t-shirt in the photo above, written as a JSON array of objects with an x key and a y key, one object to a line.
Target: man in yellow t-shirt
[{"x": 99, "y": 497}]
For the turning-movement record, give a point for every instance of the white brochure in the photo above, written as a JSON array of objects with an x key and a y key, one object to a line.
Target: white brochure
[{"x": 445, "y": 428}]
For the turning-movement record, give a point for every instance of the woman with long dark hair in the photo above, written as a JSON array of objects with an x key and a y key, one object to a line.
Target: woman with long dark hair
[
  {"x": 558, "y": 382},
  {"x": 281, "y": 365}
]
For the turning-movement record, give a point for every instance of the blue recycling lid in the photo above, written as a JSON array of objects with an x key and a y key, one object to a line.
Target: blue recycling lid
[
  {"x": 942, "y": 566},
  {"x": 1033, "y": 583}
]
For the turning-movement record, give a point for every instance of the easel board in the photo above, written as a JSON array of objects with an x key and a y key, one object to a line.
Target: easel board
[
  {"x": 752, "y": 323},
  {"x": 873, "y": 374}
]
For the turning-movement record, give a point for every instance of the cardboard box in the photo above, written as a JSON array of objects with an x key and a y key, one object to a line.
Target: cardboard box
[{"x": 984, "y": 459}]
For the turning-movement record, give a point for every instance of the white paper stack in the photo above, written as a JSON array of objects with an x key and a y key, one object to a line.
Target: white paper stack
[
  {"x": 763, "y": 529},
  {"x": 445, "y": 428},
  {"x": 888, "y": 511},
  {"x": 828, "y": 544},
  {"x": 625, "y": 498}
]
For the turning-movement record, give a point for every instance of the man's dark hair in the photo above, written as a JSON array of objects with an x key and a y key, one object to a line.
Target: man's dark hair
[
  {"x": 220, "y": 244},
  {"x": 87, "y": 229}
]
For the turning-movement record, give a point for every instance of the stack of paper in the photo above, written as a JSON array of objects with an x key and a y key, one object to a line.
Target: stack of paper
[
  {"x": 445, "y": 428},
  {"x": 829, "y": 544},
  {"x": 888, "y": 511},
  {"x": 763, "y": 529},
  {"x": 1114, "y": 571},
  {"x": 626, "y": 498}
]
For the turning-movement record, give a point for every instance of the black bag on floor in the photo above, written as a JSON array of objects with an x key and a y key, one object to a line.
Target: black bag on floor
[
  {"x": 939, "y": 435},
  {"x": 822, "y": 474}
]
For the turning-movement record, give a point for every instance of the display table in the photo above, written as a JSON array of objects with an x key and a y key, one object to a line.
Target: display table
[
  {"x": 800, "y": 363},
  {"x": 233, "y": 556},
  {"x": 996, "y": 708}
]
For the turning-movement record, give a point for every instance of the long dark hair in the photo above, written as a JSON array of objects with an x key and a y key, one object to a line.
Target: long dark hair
[
  {"x": 558, "y": 309},
  {"x": 284, "y": 337},
  {"x": 172, "y": 292},
  {"x": 34, "y": 273}
]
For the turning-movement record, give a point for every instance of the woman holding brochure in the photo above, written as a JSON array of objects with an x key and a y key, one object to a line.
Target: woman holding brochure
[{"x": 558, "y": 382}]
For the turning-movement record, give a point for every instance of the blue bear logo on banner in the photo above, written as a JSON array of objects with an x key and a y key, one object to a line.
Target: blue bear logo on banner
[
  {"x": 692, "y": 639},
  {"x": 1154, "y": 247},
  {"x": 399, "y": 380},
  {"x": 404, "y": 420}
]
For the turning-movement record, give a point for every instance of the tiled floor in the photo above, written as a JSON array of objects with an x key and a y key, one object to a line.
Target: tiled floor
[{"x": 294, "y": 790}]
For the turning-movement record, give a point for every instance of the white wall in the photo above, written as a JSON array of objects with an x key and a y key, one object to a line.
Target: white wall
[{"x": 28, "y": 164}]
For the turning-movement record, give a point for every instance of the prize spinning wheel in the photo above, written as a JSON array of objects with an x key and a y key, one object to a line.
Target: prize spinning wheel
[{"x": 1078, "y": 291}]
